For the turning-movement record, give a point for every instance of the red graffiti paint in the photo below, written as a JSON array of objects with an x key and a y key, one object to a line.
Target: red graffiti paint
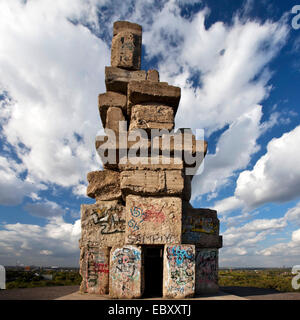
[
  {"x": 101, "y": 267},
  {"x": 154, "y": 215}
]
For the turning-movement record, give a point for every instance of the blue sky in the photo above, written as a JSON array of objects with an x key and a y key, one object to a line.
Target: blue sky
[{"x": 237, "y": 63}]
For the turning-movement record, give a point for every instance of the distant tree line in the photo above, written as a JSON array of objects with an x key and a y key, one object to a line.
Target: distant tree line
[{"x": 31, "y": 279}]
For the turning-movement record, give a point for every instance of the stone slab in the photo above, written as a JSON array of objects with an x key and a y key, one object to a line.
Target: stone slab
[
  {"x": 94, "y": 269},
  {"x": 153, "y": 75},
  {"x": 126, "y": 274},
  {"x": 198, "y": 220},
  {"x": 148, "y": 91},
  {"x": 117, "y": 79},
  {"x": 153, "y": 220},
  {"x": 111, "y": 99},
  {"x": 149, "y": 116},
  {"x": 206, "y": 271},
  {"x": 120, "y": 26},
  {"x": 103, "y": 224},
  {"x": 179, "y": 271},
  {"x": 126, "y": 50},
  {"x": 113, "y": 118},
  {"x": 148, "y": 182},
  {"x": 104, "y": 185}
]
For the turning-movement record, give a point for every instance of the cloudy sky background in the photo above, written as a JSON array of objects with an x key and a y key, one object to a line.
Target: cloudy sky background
[{"x": 238, "y": 65}]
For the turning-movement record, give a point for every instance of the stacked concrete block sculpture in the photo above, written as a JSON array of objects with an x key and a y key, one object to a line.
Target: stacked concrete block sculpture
[{"x": 141, "y": 236}]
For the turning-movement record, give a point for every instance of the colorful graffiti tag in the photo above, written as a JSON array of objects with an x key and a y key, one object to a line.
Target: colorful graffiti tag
[
  {"x": 139, "y": 215},
  {"x": 200, "y": 224},
  {"x": 126, "y": 270},
  {"x": 109, "y": 219},
  {"x": 181, "y": 270},
  {"x": 97, "y": 269}
]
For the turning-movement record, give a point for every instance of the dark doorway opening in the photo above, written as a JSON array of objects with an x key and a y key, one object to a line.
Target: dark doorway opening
[{"x": 153, "y": 268}]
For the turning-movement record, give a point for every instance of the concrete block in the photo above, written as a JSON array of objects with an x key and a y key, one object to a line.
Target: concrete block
[
  {"x": 148, "y": 182},
  {"x": 111, "y": 99},
  {"x": 149, "y": 116},
  {"x": 126, "y": 274},
  {"x": 126, "y": 50},
  {"x": 146, "y": 91},
  {"x": 153, "y": 75},
  {"x": 117, "y": 79},
  {"x": 206, "y": 271},
  {"x": 104, "y": 185},
  {"x": 179, "y": 271},
  {"x": 120, "y": 26},
  {"x": 103, "y": 223},
  {"x": 152, "y": 220},
  {"x": 198, "y": 220},
  {"x": 94, "y": 269},
  {"x": 114, "y": 116}
]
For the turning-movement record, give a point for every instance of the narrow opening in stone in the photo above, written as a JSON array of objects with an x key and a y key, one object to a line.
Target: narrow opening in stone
[{"x": 153, "y": 268}]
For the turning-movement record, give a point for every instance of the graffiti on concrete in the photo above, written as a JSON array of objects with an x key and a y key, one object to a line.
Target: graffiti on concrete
[
  {"x": 138, "y": 215},
  {"x": 97, "y": 270},
  {"x": 207, "y": 266},
  {"x": 137, "y": 218},
  {"x": 181, "y": 269},
  {"x": 179, "y": 254},
  {"x": 109, "y": 219},
  {"x": 126, "y": 266},
  {"x": 200, "y": 224},
  {"x": 154, "y": 214},
  {"x": 152, "y": 238}
]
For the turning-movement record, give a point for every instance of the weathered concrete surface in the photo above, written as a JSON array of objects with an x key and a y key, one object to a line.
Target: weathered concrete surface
[
  {"x": 149, "y": 116},
  {"x": 117, "y": 79},
  {"x": 111, "y": 99},
  {"x": 126, "y": 274},
  {"x": 206, "y": 271},
  {"x": 148, "y": 182},
  {"x": 120, "y": 26},
  {"x": 148, "y": 91},
  {"x": 200, "y": 226},
  {"x": 153, "y": 75},
  {"x": 104, "y": 185},
  {"x": 94, "y": 269},
  {"x": 179, "y": 271},
  {"x": 103, "y": 223},
  {"x": 151, "y": 220},
  {"x": 203, "y": 240},
  {"x": 187, "y": 192},
  {"x": 196, "y": 220},
  {"x": 126, "y": 50},
  {"x": 113, "y": 118}
]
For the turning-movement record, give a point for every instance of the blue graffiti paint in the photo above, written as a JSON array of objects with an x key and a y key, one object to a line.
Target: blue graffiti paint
[{"x": 180, "y": 254}]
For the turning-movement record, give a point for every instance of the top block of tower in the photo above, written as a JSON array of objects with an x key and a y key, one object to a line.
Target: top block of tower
[{"x": 126, "y": 46}]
